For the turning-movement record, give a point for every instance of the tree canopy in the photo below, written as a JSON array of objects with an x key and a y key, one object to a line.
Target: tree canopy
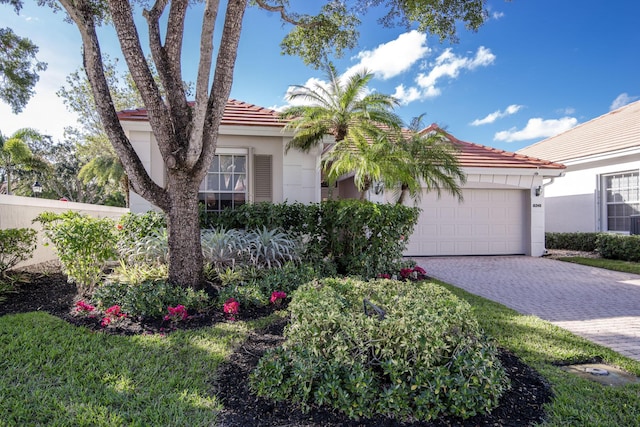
[{"x": 19, "y": 66}]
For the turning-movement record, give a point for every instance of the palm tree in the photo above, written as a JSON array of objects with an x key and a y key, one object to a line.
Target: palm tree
[
  {"x": 15, "y": 153},
  {"x": 429, "y": 162},
  {"x": 338, "y": 109}
]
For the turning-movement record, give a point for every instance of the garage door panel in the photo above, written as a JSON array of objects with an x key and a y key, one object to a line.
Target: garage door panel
[{"x": 487, "y": 222}]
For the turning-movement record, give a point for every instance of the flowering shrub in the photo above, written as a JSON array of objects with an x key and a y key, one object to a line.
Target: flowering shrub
[
  {"x": 176, "y": 314},
  {"x": 384, "y": 276},
  {"x": 415, "y": 273},
  {"x": 231, "y": 308},
  {"x": 84, "y": 308},
  {"x": 277, "y": 297},
  {"x": 112, "y": 315}
]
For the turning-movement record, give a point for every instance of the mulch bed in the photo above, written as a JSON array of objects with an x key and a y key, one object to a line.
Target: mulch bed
[{"x": 50, "y": 292}]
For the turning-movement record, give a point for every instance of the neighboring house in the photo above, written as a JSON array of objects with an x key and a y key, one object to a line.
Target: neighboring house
[
  {"x": 250, "y": 166},
  {"x": 502, "y": 212},
  {"x": 601, "y": 188}
]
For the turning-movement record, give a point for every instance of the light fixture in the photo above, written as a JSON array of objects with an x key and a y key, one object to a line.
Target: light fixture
[
  {"x": 37, "y": 188},
  {"x": 378, "y": 187},
  {"x": 538, "y": 190}
]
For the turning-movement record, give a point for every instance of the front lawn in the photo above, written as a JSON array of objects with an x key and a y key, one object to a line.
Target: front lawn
[
  {"x": 53, "y": 373},
  {"x": 609, "y": 264}
]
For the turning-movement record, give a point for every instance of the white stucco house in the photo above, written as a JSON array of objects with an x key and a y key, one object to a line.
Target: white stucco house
[
  {"x": 601, "y": 186},
  {"x": 250, "y": 164},
  {"x": 502, "y": 212}
]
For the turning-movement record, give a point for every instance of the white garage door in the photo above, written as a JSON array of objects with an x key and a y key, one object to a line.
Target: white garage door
[{"x": 487, "y": 222}]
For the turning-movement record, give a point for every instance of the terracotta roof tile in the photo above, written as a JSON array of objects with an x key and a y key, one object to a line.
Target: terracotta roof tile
[
  {"x": 240, "y": 113},
  {"x": 481, "y": 156},
  {"x": 236, "y": 113}
]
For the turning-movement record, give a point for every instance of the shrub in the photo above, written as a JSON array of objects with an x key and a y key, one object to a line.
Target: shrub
[
  {"x": 572, "y": 241},
  {"x": 16, "y": 245},
  {"x": 149, "y": 298},
  {"x": 84, "y": 244},
  {"x": 361, "y": 238},
  {"x": 399, "y": 349},
  {"x": 618, "y": 246},
  {"x": 134, "y": 227},
  {"x": 254, "y": 286}
]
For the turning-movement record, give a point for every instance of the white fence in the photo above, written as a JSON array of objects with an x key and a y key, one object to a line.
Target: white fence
[{"x": 19, "y": 212}]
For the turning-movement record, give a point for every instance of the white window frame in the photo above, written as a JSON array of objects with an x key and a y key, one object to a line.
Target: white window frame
[
  {"x": 239, "y": 180},
  {"x": 629, "y": 197}
]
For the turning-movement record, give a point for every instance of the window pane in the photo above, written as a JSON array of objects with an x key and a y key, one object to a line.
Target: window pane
[
  {"x": 241, "y": 164},
  {"x": 622, "y": 193},
  {"x": 212, "y": 182}
]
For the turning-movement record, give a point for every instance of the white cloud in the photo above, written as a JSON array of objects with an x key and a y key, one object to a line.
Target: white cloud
[
  {"x": 497, "y": 15},
  {"x": 393, "y": 58},
  {"x": 511, "y": 109},
  {"x": 406, "y": 96},
  {"x": 449, "y": 65},
  {"x": 537, "y": 128},
  {"x": 622, "y": 100}
]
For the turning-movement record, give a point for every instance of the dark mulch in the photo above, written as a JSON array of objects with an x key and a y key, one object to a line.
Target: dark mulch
[{"x": 50, "y": 292}]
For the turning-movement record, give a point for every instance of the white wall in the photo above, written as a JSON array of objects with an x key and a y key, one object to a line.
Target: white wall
[
  {"x": 572, "y": 201},
  {"x": 19, "y": 212},
  {"x": 296, "y": 175}
]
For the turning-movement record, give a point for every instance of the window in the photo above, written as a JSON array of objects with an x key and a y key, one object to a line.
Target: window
[
  {"x": 622, "y": 195},
  {"x": 225, "y": 185}
]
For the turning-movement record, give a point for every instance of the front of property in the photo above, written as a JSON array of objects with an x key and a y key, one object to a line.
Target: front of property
[
  {"x": 600, "y": 191},
  {"x": 502, "y": 212},
  {"x": 251, "y": 164}
]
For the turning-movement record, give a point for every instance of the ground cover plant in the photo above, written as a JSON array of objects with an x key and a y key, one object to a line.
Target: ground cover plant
[{"x": 402, "y": 350}]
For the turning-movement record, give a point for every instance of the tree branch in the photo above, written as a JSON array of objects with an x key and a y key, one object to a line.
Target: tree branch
[
  {"x": 81, "y": 13},
  {"x": 202, "y": 83},
  {"x": 291, "y": 19},
  {"x": 222, "y": 80}
]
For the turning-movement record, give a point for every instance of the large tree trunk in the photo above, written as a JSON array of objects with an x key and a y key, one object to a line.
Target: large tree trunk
[{"x": 185, "y": 251}]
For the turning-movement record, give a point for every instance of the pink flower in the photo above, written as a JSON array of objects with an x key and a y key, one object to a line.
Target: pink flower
[
  {"x": 83, "y": 307},
  {"x": 419, "y": 270},
  {"x": 384, "y": 276},
  {"x": 277, "y": 296},
  {"x": 105, "y": 322},
  {"x": 231, "y": 306},
  {"x": 406, "y": 272},
  {"x": 114, "y": 311},
  {"x": 177, "y": 313}
]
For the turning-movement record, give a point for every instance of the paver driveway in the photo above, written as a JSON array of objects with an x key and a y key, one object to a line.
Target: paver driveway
[{"x": 600, "y": 305}]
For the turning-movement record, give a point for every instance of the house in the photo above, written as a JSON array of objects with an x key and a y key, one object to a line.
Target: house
[
  {"x": 601, "y": 187},
  {"x": 251, "y": 164},
  {"x": 502, "y": 212}
]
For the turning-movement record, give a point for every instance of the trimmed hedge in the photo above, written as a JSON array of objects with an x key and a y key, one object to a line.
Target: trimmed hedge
[
  {"x": 619, "y": 246},
  {"x": 572, "y": 241},
  {"x": 399, "y": 349},
  {"x": 361, "y": 238}
]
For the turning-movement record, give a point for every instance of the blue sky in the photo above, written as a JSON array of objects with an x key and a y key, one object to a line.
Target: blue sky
[{"x": 535, "y": 69}]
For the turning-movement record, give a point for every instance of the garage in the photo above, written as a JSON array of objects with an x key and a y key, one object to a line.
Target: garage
[{"x": 486, "y": 222}]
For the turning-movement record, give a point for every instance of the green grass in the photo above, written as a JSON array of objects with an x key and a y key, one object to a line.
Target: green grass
[
  {"x": 609, "y": 264},
  {"x": 52, "y": 373},
  {"x": 540, "y": 344}
]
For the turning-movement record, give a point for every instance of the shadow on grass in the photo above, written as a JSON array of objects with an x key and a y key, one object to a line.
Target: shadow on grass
[{"x": 55, "y": 373}]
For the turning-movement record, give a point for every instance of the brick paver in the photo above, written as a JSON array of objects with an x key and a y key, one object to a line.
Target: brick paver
[{"x": 600, "y": 305}]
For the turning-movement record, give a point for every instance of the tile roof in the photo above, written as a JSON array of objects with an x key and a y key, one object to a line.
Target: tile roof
[
  {"x": 472, "y": 155},
  {"x": 614, "y": 131},
  {"x": 236, "y": 113}
]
